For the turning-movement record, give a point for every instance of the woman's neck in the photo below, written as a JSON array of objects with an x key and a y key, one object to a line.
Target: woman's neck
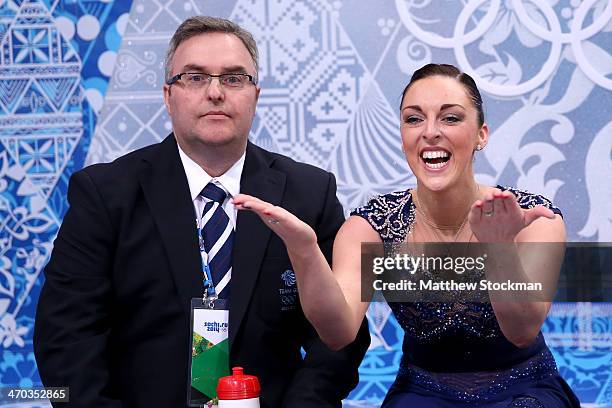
[{"x": 448, "y": 208}]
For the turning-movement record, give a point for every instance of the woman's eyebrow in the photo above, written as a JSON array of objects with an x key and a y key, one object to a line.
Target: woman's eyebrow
[
  {"x": 451, "y": 105},
  {"x": 443, "y": 107},
  {"x": 414, "y": 107}
]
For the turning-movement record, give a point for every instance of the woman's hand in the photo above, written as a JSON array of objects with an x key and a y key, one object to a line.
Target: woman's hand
[
  {"x": 499, "y": 218},
  {"x": 296, "y": 234}
]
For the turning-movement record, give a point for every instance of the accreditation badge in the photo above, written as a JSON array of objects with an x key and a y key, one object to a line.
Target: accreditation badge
[{"x": 209, "y": 351}]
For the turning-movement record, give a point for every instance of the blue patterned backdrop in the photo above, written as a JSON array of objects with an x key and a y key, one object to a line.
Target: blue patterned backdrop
[{"x": 80, "y": 83}]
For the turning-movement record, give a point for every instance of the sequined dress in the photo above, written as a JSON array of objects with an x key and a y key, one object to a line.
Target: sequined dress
[{"x": 454, "y": 354}]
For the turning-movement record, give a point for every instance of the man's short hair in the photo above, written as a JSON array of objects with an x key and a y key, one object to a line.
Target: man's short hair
[{"x": 204, "y": 24}]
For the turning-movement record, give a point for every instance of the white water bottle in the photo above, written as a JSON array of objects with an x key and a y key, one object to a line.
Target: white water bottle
[{"x": 238, "y": 390}]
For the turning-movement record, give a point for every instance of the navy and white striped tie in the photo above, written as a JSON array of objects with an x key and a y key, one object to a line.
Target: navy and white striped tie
[{"x": 218, "y": 237}]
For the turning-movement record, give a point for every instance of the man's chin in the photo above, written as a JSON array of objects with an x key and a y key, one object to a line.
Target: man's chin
[{"x": 222, "y": 141}]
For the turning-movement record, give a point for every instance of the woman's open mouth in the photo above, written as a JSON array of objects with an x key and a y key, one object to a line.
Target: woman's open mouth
[{"x": 435, "y": 159}]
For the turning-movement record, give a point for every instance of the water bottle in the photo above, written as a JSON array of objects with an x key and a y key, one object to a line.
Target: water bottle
[{"x": 238, "y": 390}]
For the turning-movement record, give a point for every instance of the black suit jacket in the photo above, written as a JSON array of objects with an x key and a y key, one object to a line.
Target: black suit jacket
[{"x": 113, "y": 316}]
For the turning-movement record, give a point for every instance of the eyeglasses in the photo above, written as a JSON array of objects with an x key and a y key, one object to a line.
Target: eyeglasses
[{"x": 200, "y": 80}]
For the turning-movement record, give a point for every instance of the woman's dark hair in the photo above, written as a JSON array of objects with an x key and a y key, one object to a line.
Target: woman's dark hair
[{"x": 450, "y": 71}]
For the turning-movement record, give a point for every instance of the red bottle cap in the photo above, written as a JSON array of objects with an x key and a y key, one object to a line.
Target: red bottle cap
[{"x": 238, "y": 386}]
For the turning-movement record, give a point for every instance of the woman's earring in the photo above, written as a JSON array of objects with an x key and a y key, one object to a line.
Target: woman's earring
[{"x": 479, "y": 147}]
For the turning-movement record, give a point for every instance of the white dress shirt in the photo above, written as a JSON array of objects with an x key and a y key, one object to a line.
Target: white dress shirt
[{"x": 198, "y": 179}]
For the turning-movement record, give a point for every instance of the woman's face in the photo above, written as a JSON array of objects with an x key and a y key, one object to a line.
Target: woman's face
[{"x": 440, "y": 132}]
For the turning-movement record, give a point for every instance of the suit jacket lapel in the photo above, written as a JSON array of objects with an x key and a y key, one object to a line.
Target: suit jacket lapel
[
  {"x": 252, "y": 236},
  {"x": 167, "y": 192}
]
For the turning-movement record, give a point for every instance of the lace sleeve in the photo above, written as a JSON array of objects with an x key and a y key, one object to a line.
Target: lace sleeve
[{"x": 529, "y": 200}]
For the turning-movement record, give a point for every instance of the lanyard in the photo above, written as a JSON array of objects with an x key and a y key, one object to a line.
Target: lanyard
[{"x": 209, "y": 295}]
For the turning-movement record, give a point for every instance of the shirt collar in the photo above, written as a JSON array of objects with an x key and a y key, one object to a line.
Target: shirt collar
[{"x": 197, "y": 178}]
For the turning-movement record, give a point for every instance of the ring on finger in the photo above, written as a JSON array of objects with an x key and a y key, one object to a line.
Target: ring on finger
[
  {"x": 273, "y": 221},
  {"x": 487, "y": 213}
]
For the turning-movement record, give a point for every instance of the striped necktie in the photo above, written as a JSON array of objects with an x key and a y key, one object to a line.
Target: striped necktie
[{"x": 218, "y": 237}]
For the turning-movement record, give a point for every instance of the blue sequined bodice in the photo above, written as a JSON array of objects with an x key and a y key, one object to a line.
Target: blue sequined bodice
[
  {"x": 458, "y": 337},
  {"x": 392, "y": 216}
]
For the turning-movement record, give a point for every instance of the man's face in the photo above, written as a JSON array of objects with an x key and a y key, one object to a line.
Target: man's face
[{"x": 212, "y": 116}]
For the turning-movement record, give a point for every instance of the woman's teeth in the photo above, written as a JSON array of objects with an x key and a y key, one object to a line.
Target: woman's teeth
[
  {"x": 435, "y": 159},
  {"x": 434, "y": 154},
  {"x": 435, "y": 165}
]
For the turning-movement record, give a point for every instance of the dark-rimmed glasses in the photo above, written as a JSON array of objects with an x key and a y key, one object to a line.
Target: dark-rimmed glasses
[{"x": 199, "y": 80}]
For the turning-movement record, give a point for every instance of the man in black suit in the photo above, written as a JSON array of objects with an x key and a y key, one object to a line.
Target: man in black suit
[{"x": 113, "y": 319}]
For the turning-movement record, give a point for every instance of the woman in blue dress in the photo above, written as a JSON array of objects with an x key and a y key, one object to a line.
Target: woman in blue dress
[{"x": 459, "y": 353}]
